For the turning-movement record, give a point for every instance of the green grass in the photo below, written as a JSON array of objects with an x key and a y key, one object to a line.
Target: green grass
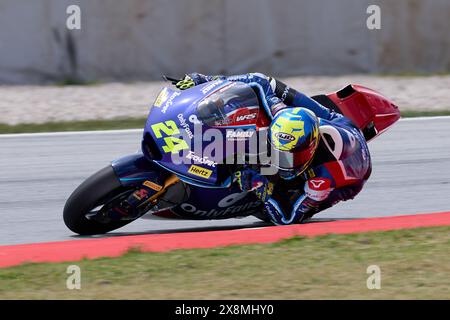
[
  {"x": 132, "y": 123},
  {"x": 424, "y": 113},
  {"x": 129, "y": 123},
  {"x": 409, "y": 74},
  {"x": 76, "y": 82},
  {"x": 415, "y": 264}
]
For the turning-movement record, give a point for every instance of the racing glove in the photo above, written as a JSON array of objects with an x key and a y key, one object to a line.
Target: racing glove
[
  {"x": 182, "y": 84},
  {"x": 250, "y": 180},
  {"x": 186, "y": 83}
]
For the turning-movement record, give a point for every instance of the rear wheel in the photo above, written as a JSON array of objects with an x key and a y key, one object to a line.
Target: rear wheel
[{"x": 99, "y": 189}]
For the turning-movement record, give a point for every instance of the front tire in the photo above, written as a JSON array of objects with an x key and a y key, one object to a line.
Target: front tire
[{"x": 93, "y": 192}]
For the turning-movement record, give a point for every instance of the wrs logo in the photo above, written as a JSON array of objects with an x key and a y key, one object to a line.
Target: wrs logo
[{"x": 246, "y": 117}]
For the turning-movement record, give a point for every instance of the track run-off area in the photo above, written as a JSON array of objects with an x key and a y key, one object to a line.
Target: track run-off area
[{"x": 411, "y": 176}]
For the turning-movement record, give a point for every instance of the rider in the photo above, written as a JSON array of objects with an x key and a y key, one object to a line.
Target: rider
[{"x": 323, "y": 157}]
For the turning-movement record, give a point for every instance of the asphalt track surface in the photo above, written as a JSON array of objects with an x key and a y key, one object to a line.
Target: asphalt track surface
[{"x": 411, "y": 174}]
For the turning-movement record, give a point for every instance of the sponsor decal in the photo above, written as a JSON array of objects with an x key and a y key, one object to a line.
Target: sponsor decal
[
  {"x": 193, "y": 119},
  {"x": 239, "y": 134},
  {"x": 185, "y": 126},
  {"x": 270, "y": 210},
  {"x": 319, "y": 184},
  {"x": 201, "y": 160},
  {"x": 242, "y": 77},
  {"x": 169, "y": 101},
  {"x": 211, "y": 86},
  {"x": 161, "y": 97},
  {"x": 284, "y": 136},
  {"x": 200, "y": 171},
  {"x": 228, "y": 86},
  {"x": 285, "y": 93},
  {"x": 318, "y": 189},
  {"x": 362, "y": 143},
  {"x": 222, "y": 122},
  {"x": 215, "y": 213},
  {"x": 316, "y": 183},
  {"x": 152, "y": 185},
  {"x": 250, "y": 116}
]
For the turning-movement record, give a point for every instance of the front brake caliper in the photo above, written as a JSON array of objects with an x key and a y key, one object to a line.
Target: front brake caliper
[
  {"x": 141, "y": 200},
  {"x": 137, "y": 203}
]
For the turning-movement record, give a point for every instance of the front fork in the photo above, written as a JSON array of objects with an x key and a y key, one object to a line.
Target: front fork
[
  {"x": 141, "y": 200},
  {"x": 145, "y": 181}
]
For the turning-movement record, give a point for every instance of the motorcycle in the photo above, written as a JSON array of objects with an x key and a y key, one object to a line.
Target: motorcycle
[{"x": 177, "y": 175}]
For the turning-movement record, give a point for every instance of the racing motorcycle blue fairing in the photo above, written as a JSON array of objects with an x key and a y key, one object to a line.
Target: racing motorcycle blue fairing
[
  {"x": 134, "y": 169},
  {"x": 175, "y": 132},
  {"x": 169, "y": 135},
  {"x": 203, "y": 202}
]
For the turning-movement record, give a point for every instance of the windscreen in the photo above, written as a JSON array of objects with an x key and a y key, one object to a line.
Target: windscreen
[{"x": 216, "y": 108}]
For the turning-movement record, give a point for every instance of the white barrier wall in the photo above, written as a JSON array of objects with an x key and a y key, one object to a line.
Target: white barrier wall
[{"x": 138, "y": 39}]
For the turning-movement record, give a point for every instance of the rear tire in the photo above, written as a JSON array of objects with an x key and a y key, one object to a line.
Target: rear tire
[{"x": 95, "y": 191}]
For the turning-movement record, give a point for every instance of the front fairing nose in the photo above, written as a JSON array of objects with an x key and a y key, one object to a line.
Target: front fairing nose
[
  {"x": 169, "y": 103},
  {"x": 169, "y": 133}
]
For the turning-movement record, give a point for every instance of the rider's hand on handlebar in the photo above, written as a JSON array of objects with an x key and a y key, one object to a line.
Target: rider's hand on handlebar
[
  {"x": 186, "y": 83},
  {"x": 250, "y": 180}
]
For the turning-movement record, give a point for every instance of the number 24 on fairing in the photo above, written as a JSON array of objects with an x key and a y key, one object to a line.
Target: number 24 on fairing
[{"x": 169, "y": 128}]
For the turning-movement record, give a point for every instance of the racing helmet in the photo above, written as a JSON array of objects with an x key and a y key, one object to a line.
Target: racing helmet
[{"x": 294, "y": 136}]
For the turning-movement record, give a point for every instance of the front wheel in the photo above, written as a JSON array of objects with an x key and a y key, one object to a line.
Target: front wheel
[{"x": 98, "y": 190}]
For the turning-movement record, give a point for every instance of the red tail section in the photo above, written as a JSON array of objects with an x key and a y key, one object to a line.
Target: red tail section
[{"x": 369, "y": 110}]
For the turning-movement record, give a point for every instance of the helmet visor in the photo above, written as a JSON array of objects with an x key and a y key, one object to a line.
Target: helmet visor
[{"x": 297, "y": 160}]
